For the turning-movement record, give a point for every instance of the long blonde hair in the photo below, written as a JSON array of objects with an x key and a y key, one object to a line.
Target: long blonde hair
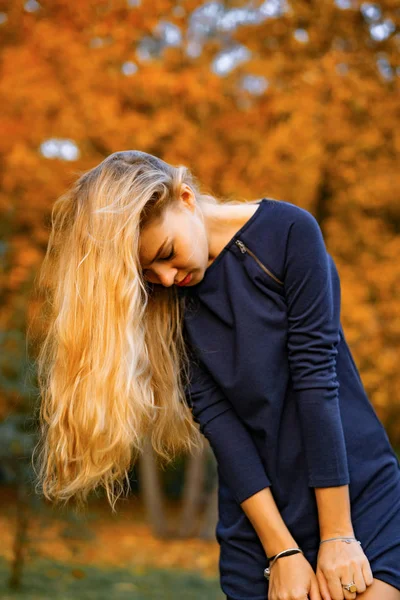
[{"x": 112, "y": 361}]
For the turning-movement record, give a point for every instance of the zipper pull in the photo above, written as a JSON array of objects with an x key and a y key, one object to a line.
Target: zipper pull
[{"x": 242, "y": 247}]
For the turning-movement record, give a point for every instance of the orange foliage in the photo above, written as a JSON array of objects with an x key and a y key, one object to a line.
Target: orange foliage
[{"x": 324, "y": 135}]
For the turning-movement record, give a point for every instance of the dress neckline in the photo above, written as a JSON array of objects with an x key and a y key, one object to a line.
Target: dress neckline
[
  {"x": 235, "y": 235},
  {"x": 224, "y": 250}
]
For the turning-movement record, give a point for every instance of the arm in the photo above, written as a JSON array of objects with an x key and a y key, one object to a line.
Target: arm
[
  {"x": 313, "y": 335},
  {"x": 237, "y": 456},
  {"x": 334, "y": 517},
  {"x": 267, "y": 521},
  {"x": 314, "y": 323},
  {"x": 238, "y": 459},
  {"x": 240, "y": 465},
  {"x": 334, "y": 512}
]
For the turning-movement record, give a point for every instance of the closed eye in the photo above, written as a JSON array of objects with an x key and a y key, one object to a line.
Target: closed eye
[{"x": 171, "y": 255}]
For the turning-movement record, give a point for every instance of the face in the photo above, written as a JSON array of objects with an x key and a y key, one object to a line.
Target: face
[{"x": 176, "y": 244}]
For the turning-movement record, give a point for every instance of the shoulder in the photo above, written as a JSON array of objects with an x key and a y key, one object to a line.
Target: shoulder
[
  {"x": 289, "y": 214},
  {"x": 289, "y": 224},
  {"x": 286, "y": 233}
]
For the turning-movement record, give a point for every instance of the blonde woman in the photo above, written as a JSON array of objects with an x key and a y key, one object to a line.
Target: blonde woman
[{"x": 168, "y": 309}]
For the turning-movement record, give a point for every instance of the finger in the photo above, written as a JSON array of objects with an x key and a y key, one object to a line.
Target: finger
[
  {"x": 358, "y": 579},
  {"x": 335, "y": 585},
  {"x": 347, "y": 577},
  {"x": 367, "y": 572},
  {"x": 314, "y": 594},
  {"x": 323, "y": 585}
]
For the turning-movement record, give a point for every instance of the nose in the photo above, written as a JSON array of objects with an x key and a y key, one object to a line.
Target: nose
[{"x": 167, "y": 276}]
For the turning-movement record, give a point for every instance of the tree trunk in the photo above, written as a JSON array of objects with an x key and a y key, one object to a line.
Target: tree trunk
[
  {"x": 151, "y": 491},
  {"x": 210, "y": 516},
  {"x": 192, "y": 492}
]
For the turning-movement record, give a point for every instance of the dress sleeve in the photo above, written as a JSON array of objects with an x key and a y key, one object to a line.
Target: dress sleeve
[
  {"x": 313, "y": 335},
  {"x": 238, "y": 459}
]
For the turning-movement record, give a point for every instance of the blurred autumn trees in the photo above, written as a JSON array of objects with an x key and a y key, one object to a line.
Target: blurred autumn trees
[{"x": 300, "y": 103}]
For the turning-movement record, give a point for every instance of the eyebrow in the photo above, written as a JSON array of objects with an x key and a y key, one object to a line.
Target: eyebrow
[{"x": 157, "y": 254}]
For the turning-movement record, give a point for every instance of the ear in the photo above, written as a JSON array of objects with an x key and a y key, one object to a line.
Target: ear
[{"x": 187, "y": 196}]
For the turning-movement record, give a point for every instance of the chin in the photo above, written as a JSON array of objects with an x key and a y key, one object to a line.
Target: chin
[{"x": 196, "y": 279}]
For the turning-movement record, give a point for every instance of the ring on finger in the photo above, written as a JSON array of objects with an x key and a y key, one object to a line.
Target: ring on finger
[{"x": 350, "y": 587}]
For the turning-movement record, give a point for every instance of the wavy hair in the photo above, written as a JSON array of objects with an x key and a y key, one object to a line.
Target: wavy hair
[{"x": 112, "y": 363}]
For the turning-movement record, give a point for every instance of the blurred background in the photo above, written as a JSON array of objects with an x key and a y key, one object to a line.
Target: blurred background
[{"x": 296, "y": 100}]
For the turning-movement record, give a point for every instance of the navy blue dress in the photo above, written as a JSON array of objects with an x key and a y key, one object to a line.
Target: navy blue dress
[{"x": 276, "y": 392}]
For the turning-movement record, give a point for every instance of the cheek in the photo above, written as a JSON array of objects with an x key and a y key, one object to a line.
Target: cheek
[
  {"x": 187, "y": 252},
  {"x": 195, "y": 247},
  {"x": 191, "y": 254}
]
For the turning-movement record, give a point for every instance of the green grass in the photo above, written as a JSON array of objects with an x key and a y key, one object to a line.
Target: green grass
[{"x": 51, "y": 580}]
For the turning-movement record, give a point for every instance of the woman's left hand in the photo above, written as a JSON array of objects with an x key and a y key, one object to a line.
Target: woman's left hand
[{"x": 339, "y": 563}]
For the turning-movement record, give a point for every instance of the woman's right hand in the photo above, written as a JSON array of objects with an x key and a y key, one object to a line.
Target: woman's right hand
[{"x": 292, "y": 578}]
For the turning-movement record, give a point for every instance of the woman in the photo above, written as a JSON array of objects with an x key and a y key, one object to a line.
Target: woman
[{"x": 168, "y": 308}]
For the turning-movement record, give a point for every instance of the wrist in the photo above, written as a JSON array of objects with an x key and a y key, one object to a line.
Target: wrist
[
  {"x": 347, "y": 531},
  {"x": 278, "y": 544},
  {"x": 283, "y": 554}
]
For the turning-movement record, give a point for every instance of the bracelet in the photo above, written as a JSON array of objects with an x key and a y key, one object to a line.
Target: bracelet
[
  {"x": 348, "y": 540},
  {"x": 288, "y": 552}
]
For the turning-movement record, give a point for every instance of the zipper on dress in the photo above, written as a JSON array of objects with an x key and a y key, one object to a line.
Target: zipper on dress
[{"x": 243, "y": 248}]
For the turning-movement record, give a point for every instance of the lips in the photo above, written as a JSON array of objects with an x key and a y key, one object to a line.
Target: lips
[{"x": 185, "y": 280}]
